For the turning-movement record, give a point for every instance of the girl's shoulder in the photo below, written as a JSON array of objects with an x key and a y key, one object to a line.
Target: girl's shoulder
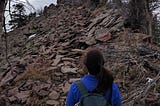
[
  {"x": 114, "y": 86},
  {"x": 115, "y": 89},
  {"x": 74, "y": 87}
]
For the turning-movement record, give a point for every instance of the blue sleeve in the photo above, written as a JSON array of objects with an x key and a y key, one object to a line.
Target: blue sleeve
[
  {"x": 73, "y": 95},
  {"x": 116, "y": 97}
]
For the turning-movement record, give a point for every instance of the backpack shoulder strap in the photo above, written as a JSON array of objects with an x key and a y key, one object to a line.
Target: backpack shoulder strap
[{"x": 83, "y": 90}]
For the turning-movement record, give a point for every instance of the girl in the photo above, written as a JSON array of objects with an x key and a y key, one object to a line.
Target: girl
[{"x": 98, "y": 78}]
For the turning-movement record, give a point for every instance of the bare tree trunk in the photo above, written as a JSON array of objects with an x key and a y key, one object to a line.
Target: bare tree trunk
[
  {"x": 140, "y": 16},
  {"x": 9, "y": 3},
  {"x": 117, "y": 3},
  {"x": 2, "y": 6},
  {"x": 5, "y": 40},
  {"x": 3, "y": 31},
  {"x": 149, "y": 17}
]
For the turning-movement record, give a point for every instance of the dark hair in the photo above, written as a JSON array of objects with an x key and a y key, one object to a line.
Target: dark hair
[{"x": 94, "y": 62}]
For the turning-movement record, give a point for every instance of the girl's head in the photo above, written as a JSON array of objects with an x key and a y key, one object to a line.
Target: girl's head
[
  {"x": 94, "y": 61},
  {"x": 94, "y": 65}
]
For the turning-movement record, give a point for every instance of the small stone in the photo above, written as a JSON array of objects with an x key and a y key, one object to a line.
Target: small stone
[
  {"x": 9, "y": 77},
  {"x": 80, "y": 51},
  {"x": 51, "y": 68},
  {"x": 12, "y": 99},
  {"x": 65, "y": 44},
  {"x": 58, "y": 74},
  {"x": 57, "y": 60},
  {"x": 52, "y": 103},
  {"x": 104, "y": 36},
  {"x": 13, "y": 91},
  {"x": 23, "y": 96},
  {"x": 42, "y": 86},
  {"x": 54, "y": 95},
  {"x": 67, "y": 70},
  {"x": 67, "y": 59},
  {"x": 43, "y": 93},
  {"x": 67, "y": 63},
  {"x": 90, "y": 41},
  {"x": 65, "y": 88}
]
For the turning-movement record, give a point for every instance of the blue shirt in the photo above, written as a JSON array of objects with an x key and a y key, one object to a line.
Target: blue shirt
[{"x": 91, "y": 83}]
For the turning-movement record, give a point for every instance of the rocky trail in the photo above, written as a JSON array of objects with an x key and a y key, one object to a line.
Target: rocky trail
[{"x": 45, "y": 57}]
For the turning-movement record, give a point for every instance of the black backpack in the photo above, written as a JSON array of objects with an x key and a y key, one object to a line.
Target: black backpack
[{"x": 90, "y": 98}]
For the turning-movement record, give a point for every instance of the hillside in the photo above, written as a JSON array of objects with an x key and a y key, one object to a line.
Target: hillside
[{"x": 45, "y": 57}]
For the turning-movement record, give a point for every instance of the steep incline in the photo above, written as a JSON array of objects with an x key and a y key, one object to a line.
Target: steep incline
[{"x": 45, "y": 57}]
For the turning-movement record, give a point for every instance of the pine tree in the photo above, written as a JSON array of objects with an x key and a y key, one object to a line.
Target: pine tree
[
  {"x": 140, "y": 16},
  {"x": 19, "y": 18},
  {"x": 156, "y": 26}
]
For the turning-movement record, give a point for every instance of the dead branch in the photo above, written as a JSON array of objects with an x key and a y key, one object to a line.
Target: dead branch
[
  {"x": 146, "y": 89},
  {"x": 151, "y": 84},
  {"x": 152, "y": 66},
  {"x": 141, "y": 93}
]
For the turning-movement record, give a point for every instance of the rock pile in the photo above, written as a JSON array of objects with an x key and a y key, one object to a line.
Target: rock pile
[{"x": 45, "y": 56}]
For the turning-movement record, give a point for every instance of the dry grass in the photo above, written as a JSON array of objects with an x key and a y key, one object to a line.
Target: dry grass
[
  {"x": 32, "y": 73},
  {"x": 34, "y": 101},
  {"x": 35, "y": 71}
]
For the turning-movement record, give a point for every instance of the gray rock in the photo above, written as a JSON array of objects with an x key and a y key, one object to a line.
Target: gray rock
[
  {"x": 67, "y": 59},
  {"x": 66, "y": 87},
  {"x": 68, "y": 70},
  {"x": 9, "y": 77},
  {"x": 90, "y": 41},
  {"x": 40, "y": 87},
  {"x": 12, "y": 99},
  {"x": 13, "y": 91},
  {"x": 43, "y": 93},
  {"x": 57, "y": 60},
  {"x": 52, "y": 103},
  {"x": 23, "y": 96},
  {"x": 54, "y": 95},
  {"x": 52, "y": 69},
  {"x": 97, "y": 20}
]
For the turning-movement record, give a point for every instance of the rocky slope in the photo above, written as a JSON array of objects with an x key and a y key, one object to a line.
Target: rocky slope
[{"x": 45, "y": 57}]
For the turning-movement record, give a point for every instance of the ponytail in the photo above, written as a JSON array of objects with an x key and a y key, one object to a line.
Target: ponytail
[
  {"x": 94, "y": 63},
  {"x": 105, "y": 80}
]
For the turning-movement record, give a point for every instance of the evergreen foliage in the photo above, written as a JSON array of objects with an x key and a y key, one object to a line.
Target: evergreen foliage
[
  {"x": 156, "y": 29},
  {"x": 156, "y": 26},
  {"x": 18, "y": 16}
]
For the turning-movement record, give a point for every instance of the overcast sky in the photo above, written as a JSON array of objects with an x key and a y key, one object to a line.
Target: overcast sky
[{"x": 39, "y": 4}]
